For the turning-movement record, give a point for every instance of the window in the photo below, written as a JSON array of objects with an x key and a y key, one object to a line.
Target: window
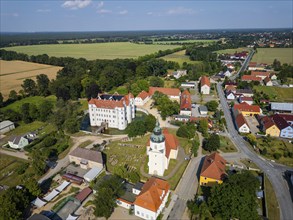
[
  {"x": 142, "y": 214},
  {"x": 137, "y": 212}
]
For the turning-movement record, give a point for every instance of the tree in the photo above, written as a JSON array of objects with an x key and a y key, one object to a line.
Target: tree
[
  {"x": 38, "y": 164},
  {"x": 143, "y": 85},
  {"x": 203, "y": 127},
  {"x": 71, "y": 125},
  {"x": 13, "y": 95},
  {"x": 156, "y": 81},
  {"x": 1, "y": 99},
  {"x": 251, "y": 139},
  {"x": 186, "y": 131},
  {"x": 212, "y": 143},
  {"x": 25, "y": 113},
  {"x": 92, "y": 90},
  {"x": 136, "y": 128},
  {"x": 33, "y": 111},
  {"x": 150, "y": 122},
  {"x": 29, "y": 86},
  {"x": 212, "y": 105},
  {"x": 32, "y": 185},
  {"x": 45, "y": 109},
  {"x": 43, "y": 84}
]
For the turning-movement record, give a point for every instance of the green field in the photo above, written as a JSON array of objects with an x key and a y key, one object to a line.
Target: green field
[
  {"x": 179, "y": 57},
  {"x": 92, "y": 51},
  {"x": 276, "y": 93},
  {"x": 37, "y": 100},
  {"x": 267, "y": 55},
  {"x": 184, "y": 41},
  {"x": 231, "y": 51}
]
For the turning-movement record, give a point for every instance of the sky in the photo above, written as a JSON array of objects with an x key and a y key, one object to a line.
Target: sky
[{"x": 90, "y": 15}]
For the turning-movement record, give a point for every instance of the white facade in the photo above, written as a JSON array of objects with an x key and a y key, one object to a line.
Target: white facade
[
  {"x": 116, "y": 116},
  {"x": 269, "y": 83},
  {"x": 287, "y": 132},
  {"x": 19, "y": 144},
  {"x": 185, "y": 112},
  {"x": 228, "y": 73},
  {"x": 205, "y": 89},
  {"x": 244, "y": 129},
  {"x": 231, "y": 96},
  {"x": 149, "y": 214},
  {"x": 123, "y": 203},
  {"x": 140, "y": 102}
]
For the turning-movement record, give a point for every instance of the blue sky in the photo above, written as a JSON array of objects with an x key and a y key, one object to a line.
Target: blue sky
[{"x": 89, "y": 15}]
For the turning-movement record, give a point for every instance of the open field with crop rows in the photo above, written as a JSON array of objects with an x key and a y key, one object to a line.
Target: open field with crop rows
[{"x": 267, "y": 55}]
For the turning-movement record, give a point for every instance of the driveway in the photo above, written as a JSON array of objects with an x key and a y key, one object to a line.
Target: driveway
[
  {"x": 18, "y": 154},
  {"x": 252, "y": 123}
]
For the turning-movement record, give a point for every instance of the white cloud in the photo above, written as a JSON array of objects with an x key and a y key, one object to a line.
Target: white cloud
[
  {"x": 180, "y": 11},
  {"x": 124, "y": 12},
  {"x": 149, "y": 13},
  {"x": 76, "y": 4},
  {"x": 44, "y": 10},
  {"x": 10, "y": 14},
  {"x": 100, "y": 4},
  {"x": 104, "y": 11}
]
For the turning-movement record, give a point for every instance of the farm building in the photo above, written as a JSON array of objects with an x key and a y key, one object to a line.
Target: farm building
[
  {"x": 6, "y": 126},
  {"x": 282, "y": 107},
  {"x": 172, "y": 93}
]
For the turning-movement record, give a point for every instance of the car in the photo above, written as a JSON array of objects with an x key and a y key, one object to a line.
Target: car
[{"x": 187, "y": 158}]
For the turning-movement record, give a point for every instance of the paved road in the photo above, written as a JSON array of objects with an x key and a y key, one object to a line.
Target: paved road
[
  {"x": 274, "y": 171},
  {"x": 244, "y": 65}
]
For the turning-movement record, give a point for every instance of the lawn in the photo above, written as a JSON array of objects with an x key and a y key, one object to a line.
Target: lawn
[
  {"x": 92, "y": 51},
  {"x": 226, "y": 145},
  {"x": 85, "y": 143},
  {"x": 271, "y": 200},
  {"x": 37, "y": 100},
  {"x": 274, "y": 146},
  {"x": 277, "y": 94},
  {"x": 267, "y": 55},
  {"x": 176, "y": 178},
  {"x": 169, "y": 83},
  {"x": 8, "y": 165},
  {"x": 12, "y": 74},
  {"x": 179, "y": 57},
  {"x": 232, "y": 51}
]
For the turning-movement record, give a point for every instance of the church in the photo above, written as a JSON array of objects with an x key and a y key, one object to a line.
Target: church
[{"x": 162, "y": 147}]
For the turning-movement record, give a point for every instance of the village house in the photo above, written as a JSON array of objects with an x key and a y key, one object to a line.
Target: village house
[
  {"x": 213, "y": 170},
  {"x": 244, "y": 92},
  {"x": 230, "y": 84},
  {"x": 231, "y": 88},
  {"x": 230, "y": 95},
  {"x": 260, "y": 74},
  {"x": 267, "y": 81},
  {"x": 286, "y": 130},
  {"x": 141, "y": 98},
  {"x": 172, "y": 93},
  {"x": 240, "y": 122},
  {"x": 179, "y": 73},
  {"x": 205, "y": 85},
  {"x": 203, "y": 110},
  {"x": 248, "y": 100},
  {"x": 256, "y": 66},
  {"x": 188, "y": 85},
  {"x": 152, "y": 199},
  {"x": 269, "y": 127},
  {"x": 185, "y": 103},
  {"x": 6, "y": 126},
  {"x": 130, "y": 192},
  {"x": 250, "y": 78},
  {"x": 288, "y": 118},
  {"x": 248, "y": 110},
  {"x": 18, "y": 142},
  {"x": 273, "y": 76},
  {"x": 117, "y": 111},
  {"x": 162, "y": 147}
]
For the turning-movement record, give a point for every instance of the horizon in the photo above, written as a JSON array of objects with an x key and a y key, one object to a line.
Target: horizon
[{"x": 105, "y": 16}]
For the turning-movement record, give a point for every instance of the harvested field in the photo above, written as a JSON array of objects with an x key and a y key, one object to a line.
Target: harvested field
[{"x": 12, "y": 74}]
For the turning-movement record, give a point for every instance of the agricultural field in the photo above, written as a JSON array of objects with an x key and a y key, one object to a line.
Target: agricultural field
[
  {"x": 179, "y": 57},
  {"x": 93, "y": 51},
  {"x": 276, "y": 93},
  {"x": 232, "y": 51},
  {"x": 267, "y": 55},
  {"x": 184, "y": 41},
  {"x": 12, "y": 74}
]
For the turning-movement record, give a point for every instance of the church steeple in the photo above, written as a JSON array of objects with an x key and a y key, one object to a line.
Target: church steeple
[{"x": 157, "y": 135}]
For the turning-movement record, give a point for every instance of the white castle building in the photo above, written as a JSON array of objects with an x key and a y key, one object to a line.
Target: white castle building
[
  {"x": 162, "y": 147},
  {"x": 115, "y": 110}
]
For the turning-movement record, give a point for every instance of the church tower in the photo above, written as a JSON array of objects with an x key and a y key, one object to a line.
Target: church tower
[{"x": 157, "y": 152}]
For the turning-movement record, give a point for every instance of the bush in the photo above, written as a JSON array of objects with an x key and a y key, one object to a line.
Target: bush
[
  {"x": 277, "y": 156},
  {"x": 22, "y": 168},
  {"x": 186, "y": 131},
  {"x": 264, "y": 151}
]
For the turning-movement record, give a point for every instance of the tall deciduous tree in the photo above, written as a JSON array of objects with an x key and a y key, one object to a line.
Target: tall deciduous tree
[
  {"x": 212, "y": 143},
  {"x": 1, "y": 99},
  {"x": 25, "y": 113},
  {"x": 29, "y": 86},
  {"x": 13, "y": 95},
  {"x": 43, "y": 84},
  {"x": 45, "y": 109}
]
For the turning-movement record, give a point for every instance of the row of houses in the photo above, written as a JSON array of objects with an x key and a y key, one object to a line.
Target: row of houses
[{"x": 261, "y": 77}]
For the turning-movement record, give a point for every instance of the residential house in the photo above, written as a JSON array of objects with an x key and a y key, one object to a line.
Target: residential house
[
  {"x": 288, "y": 118},
  {"x": 250, "y": 78},
  {"x": 268, "y": 82},
  {"x": 117, "y": 111},
  {"x": 205, "y": 85},
  {"x": 248, "y": 110},
  {"x": 172, "y": 93},
  {"x": 188, "y": 85},
  {"x": 162, "y": 147},
  {"x": 177, "y": 74},
  {"x": 203, "y": 110},
  {"x": 282, "y": 107},
  {"x": 240, "y": 122},
  {"x": 152, "y": 199},
  {"x": 185, "y": 103},
  {"x": 248, "y": 100},
  {"x": 244, "y": 92},
  {"x": 228, "y": 73},
  {"x": 260, "y": 74},
  {"x": 230, "y": 66},
  {"x": 230, "y": 84},
  {"x": 230, "y": 95},
  {"x": 141, "y": 98},
  {"x": 230, "y": 88},
  {"x": 269, "y": 127},
  {"x": 86, "y": 158},
  {"x": 183, "y": 118},
  {"x": 6, "y": 126},
  {"x": 256, "y": 66},
  {"x": 18, "y": 142},
  {"x": 273, "y": 76},
  {"x": 286, "y": 130},
  {"x": 129, "y": 196},
  {"x": 213, "y": 170}
]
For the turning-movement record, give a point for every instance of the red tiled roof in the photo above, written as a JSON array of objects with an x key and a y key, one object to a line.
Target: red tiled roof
[
  {"x": 280, "y": 121},
  {"x": 170, "y": 141},
  {"x": 251, "y": 78},
  {"x": 151, "y": 195},
  {"x": 287, "y": 117},
  {"x": 258, "y": 73},
  {"x": 83, "y": 194},
  {"x": 240, "y": 120},
  {"x": 267, "y": 122},
  {"x": 143, "y": 95},
  {"x": 214, "y": 167},
  {"x": 247, "y": 108},
  {"x": 185, "y": 102},
  {"x": 110, "y": 104},
  {"x": 267, "y": 79},
  {"x": 205, "y": 81},
  {"x": 231, "y": 88},
  {"x": 166, "y": 91},
  {"x": 252, "y": 64}
]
